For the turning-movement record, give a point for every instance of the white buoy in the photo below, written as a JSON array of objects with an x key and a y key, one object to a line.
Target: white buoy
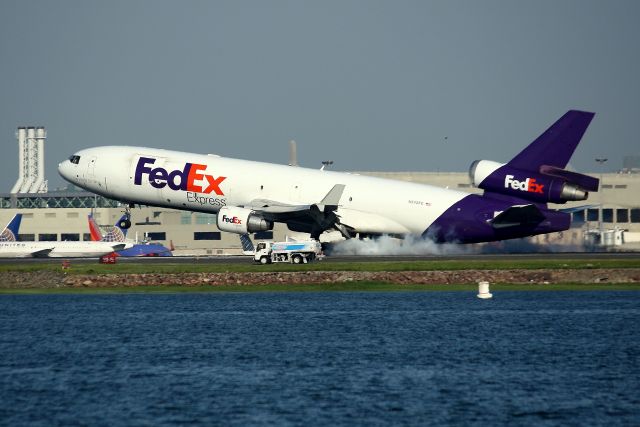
[{"x": 483, "y": 290}]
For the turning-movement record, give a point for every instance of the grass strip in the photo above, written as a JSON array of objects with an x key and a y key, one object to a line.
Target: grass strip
[{"x": 426, "y": 265}]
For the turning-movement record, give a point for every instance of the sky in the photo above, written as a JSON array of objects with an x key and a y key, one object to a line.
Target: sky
[{"x": 372, "y": 85}]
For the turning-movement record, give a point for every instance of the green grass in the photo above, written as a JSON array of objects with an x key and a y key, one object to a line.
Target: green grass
[
  {"x": 428, "y": 265},
  {"x": 329, "y": 287}
]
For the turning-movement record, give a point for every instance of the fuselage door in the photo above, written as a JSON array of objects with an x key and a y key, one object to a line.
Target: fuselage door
[{"x": 91, "y": 167}]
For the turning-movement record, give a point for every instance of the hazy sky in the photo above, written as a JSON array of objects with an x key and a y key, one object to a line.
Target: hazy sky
[{"x": 373, "y": 85}]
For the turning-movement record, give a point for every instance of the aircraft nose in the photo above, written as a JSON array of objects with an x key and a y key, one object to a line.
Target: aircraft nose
[{"x": 64, "y": 169}]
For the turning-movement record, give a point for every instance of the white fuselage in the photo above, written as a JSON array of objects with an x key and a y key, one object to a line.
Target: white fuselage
[
  {"x": 367, "y": 205},
  {"x": 57, "y": 249}
]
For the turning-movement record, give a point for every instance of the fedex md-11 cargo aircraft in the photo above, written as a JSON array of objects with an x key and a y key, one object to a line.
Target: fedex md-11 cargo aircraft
[{"x": 251, "y": 196}]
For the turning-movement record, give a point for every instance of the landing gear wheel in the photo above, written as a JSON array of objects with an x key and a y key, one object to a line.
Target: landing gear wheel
[{"x": 125, "y": 222}]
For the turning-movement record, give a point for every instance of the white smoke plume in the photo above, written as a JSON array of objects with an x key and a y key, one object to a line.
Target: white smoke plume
[
  {"x": 410, "y": 245},
  {"x": 387, "y": 246}
]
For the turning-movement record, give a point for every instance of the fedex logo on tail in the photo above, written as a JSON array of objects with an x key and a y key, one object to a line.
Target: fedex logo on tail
[
  {"x": 231, "y": 220},
  {"x": 191, "y": 178},
  {"x": 528, "y": 185}
]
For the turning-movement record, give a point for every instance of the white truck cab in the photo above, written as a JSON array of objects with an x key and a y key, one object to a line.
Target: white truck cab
[{"x": 296, "y": 252}]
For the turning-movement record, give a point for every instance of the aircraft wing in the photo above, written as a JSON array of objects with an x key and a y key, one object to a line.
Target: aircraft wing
[
  {"x": 318, "y": 217},
  {"x": 118, "y": 246},
  {"x": 517, "y": 215},
  {"x": 274, "y": 207},
  {"x": 331, "y": 200},
  {"x": 42, "y": 253}
]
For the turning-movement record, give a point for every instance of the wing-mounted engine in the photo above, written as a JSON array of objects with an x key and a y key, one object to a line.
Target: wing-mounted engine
[
  {"x": 241, "y": 220},
  {"x": 549, "y": 184}
]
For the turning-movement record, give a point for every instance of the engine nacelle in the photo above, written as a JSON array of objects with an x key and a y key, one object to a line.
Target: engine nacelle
[
  {"x": 552, "y": 184},
  {"x": 241, "y": 221}
]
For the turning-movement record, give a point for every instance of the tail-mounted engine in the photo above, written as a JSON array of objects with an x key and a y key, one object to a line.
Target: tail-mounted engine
[
  {"x": 241, "y": 221},
  {"x": 549, "y": 184}
]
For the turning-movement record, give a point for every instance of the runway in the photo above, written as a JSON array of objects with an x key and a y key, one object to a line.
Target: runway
[{"x": 348, "y": 259}]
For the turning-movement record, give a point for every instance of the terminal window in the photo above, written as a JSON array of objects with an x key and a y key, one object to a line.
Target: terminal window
[
  {"x": 263, "y": 235},
  {"x": 205, "y": 218},
  {"x": 185, "y": 218},
  {"x": 70, "y": 237},
  {"x": 635, "y": 215},
  {"x": 593, "y": 215},
  {"x": 207, "y": 235},
  {"x": 160, "y": 235},
  {"x": 86, "y": 237},
  {"x": 607, "y": 215},
  {"x": 578, "y": 216},
  {"x": 622, "y": 215},
  {"x": 47, "y": 237},
  {"x": 26, "y": 237}
]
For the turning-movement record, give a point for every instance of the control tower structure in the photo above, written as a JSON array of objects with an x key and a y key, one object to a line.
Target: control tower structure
[{"x": 31, "y": 177}]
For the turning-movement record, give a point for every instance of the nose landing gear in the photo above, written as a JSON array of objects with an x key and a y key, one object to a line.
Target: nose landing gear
[{"x": 125, "y": 222}]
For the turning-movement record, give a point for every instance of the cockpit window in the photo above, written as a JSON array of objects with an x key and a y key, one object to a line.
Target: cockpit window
[{"x": 74, "y": 159}]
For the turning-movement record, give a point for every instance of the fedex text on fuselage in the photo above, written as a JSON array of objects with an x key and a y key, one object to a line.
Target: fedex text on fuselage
[{"x": 191, "y": 178}]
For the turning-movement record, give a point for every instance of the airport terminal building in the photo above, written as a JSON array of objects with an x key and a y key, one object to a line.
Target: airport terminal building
[{"x": 610, "y": 219}]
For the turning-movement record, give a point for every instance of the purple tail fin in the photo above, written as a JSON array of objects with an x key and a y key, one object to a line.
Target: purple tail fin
[{"x": 556, "y": 145}]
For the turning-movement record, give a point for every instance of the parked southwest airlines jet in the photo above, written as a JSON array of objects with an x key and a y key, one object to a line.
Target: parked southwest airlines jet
[{"x": 251, "y": 196}]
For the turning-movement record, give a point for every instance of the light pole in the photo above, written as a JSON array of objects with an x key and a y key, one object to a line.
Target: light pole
[
  {"x": 326, "y": 163},
  {"x": 601, "y": 161}
]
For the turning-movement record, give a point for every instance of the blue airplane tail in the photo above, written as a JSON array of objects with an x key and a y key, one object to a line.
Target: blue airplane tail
[
  {"x": 247, "y": 245},
  {"x": 10, "y": 233},
  {"x": 120, "y": 222}
]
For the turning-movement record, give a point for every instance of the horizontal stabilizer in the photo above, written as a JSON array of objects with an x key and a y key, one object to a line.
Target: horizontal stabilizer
[
  {"x": 586, "y": 182},
  {"x": 517, "y": 216}
]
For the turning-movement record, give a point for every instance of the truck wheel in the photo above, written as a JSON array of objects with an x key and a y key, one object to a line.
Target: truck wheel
[
  {"x": 264, "y": 260},
  {"x": 297, "y": 259}
]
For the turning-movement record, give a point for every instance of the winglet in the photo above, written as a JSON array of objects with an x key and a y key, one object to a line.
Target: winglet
[{"x": 333, "y": 196}]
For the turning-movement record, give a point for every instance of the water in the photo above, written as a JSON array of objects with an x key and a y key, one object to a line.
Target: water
[{"x": 523, "y": 358}]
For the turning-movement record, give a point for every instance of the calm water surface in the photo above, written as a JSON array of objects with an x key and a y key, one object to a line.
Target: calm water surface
[{"x": 523, "y": 358}]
